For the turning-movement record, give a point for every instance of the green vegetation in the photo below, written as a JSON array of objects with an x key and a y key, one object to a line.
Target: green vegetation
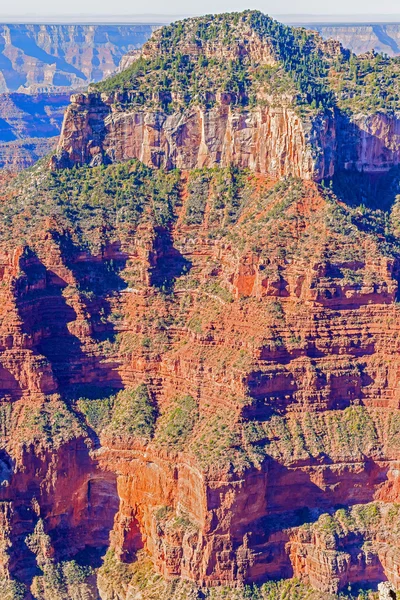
[
  {"x": 367, "y": 83},
  {"x": 184, "y": 69},
  {"x": 134, "y": 414},
  {"x": 176, "y": 424},
  {"x": 299, "y": 51},
  {"x": 51, "y": 422},
  {"x": 218, "y": 443},
  {"x": 190, "y": 61},
  {"x": 97, "y": 412},
  {"x": 141, "y": 578},
  {"x": 216, "y": 289},
  {"x": 198, "y": 192},
  {"x": 367, "y": 521},
  {"x": 349, "y": 433},
  {"x": 12, "y": 590},
  {"x": 94, "y": 203},
  {"x": 60, "y": 581}
]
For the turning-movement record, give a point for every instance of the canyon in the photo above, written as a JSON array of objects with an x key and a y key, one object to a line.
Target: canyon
[
  {"x": 360, "y": 38},
  {"x": 199, "y": 331},
  {"x": 43, "y": 58},
  {"x": 53, "y": 60},
  {"x": 40, "y": 65},
  {"x": 29, "y": 127}
]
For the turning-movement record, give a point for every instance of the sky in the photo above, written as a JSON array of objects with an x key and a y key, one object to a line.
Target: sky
[{"x": 190, "y": 7}]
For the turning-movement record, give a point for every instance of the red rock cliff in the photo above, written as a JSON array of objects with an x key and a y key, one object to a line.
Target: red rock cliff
[
  {"x": 289, "y": 416},
  {"x": 208, "y": 356},
  {"x": 272, "y": 141}
]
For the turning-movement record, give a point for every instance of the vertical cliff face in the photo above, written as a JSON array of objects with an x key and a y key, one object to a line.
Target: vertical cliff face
[
  {"x": 271, "y": 141},
  {"x": 267, "y": 122},
  {"x": 175, "y": 125}
]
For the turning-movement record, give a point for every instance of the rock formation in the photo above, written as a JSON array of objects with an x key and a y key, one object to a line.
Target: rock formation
[
  {"x": 199, "y": 365},
  {"x": 56, "y": 58},
  {"x": 269, "y": 414},
  {"x": 360, "y": 38},
  {"x": 272, "y": 141},
  {"x": 277, "y": 137}
]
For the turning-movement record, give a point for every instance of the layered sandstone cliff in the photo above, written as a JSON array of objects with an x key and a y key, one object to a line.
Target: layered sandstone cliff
[
  {"x": 271, "y": 141},
  {"x": 260, "y": 413},
  {"x": 178, "y": 127},
  {"x": 199, "y": 365}
]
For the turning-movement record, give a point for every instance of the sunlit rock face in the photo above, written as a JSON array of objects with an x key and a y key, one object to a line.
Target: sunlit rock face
[
  {"x": 199, "y": 351},
  {"x": 270, "y": 141}
]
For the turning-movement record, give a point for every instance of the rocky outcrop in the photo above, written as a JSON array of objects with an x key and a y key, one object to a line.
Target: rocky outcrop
[
  {"x": 386, "y": 591},
  {"x": 47, "y": 62},
  {"x": 128, "y": 59},
  {"x": 272, "y": 141},
  {"x": 292, "y": 416},
  {"x": 268, "y": 129},
  {"x": 210, "y": 356}
]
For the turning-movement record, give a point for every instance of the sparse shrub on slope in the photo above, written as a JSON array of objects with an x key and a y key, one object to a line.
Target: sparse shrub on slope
[
  {"x": 93, "y": 203},
  {"x": 134, "y": 414},
  {"x": 176, "y": 424}
]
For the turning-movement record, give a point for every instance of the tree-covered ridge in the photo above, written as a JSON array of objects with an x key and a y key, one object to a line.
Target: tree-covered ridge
[
  {"x": 366, "y": 83},
  {"x": 191, "y": 61},
  {"x": 109, "y": 202},
  {"x": 89, "y": 202}
]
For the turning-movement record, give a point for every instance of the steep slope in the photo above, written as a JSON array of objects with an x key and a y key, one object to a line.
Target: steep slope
[
  {"x": 199, "y": 366},
  {"x": 245, "y": 91},
  {"x": 198, "y": 339}
]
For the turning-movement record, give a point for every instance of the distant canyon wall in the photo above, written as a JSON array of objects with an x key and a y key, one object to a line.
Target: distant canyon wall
[
  {"x": 41, "y": 58},
  {"x": 360, "y": 38},
  {"x": 29, "y": 127},
  {"x": 39, "y": 67}
]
